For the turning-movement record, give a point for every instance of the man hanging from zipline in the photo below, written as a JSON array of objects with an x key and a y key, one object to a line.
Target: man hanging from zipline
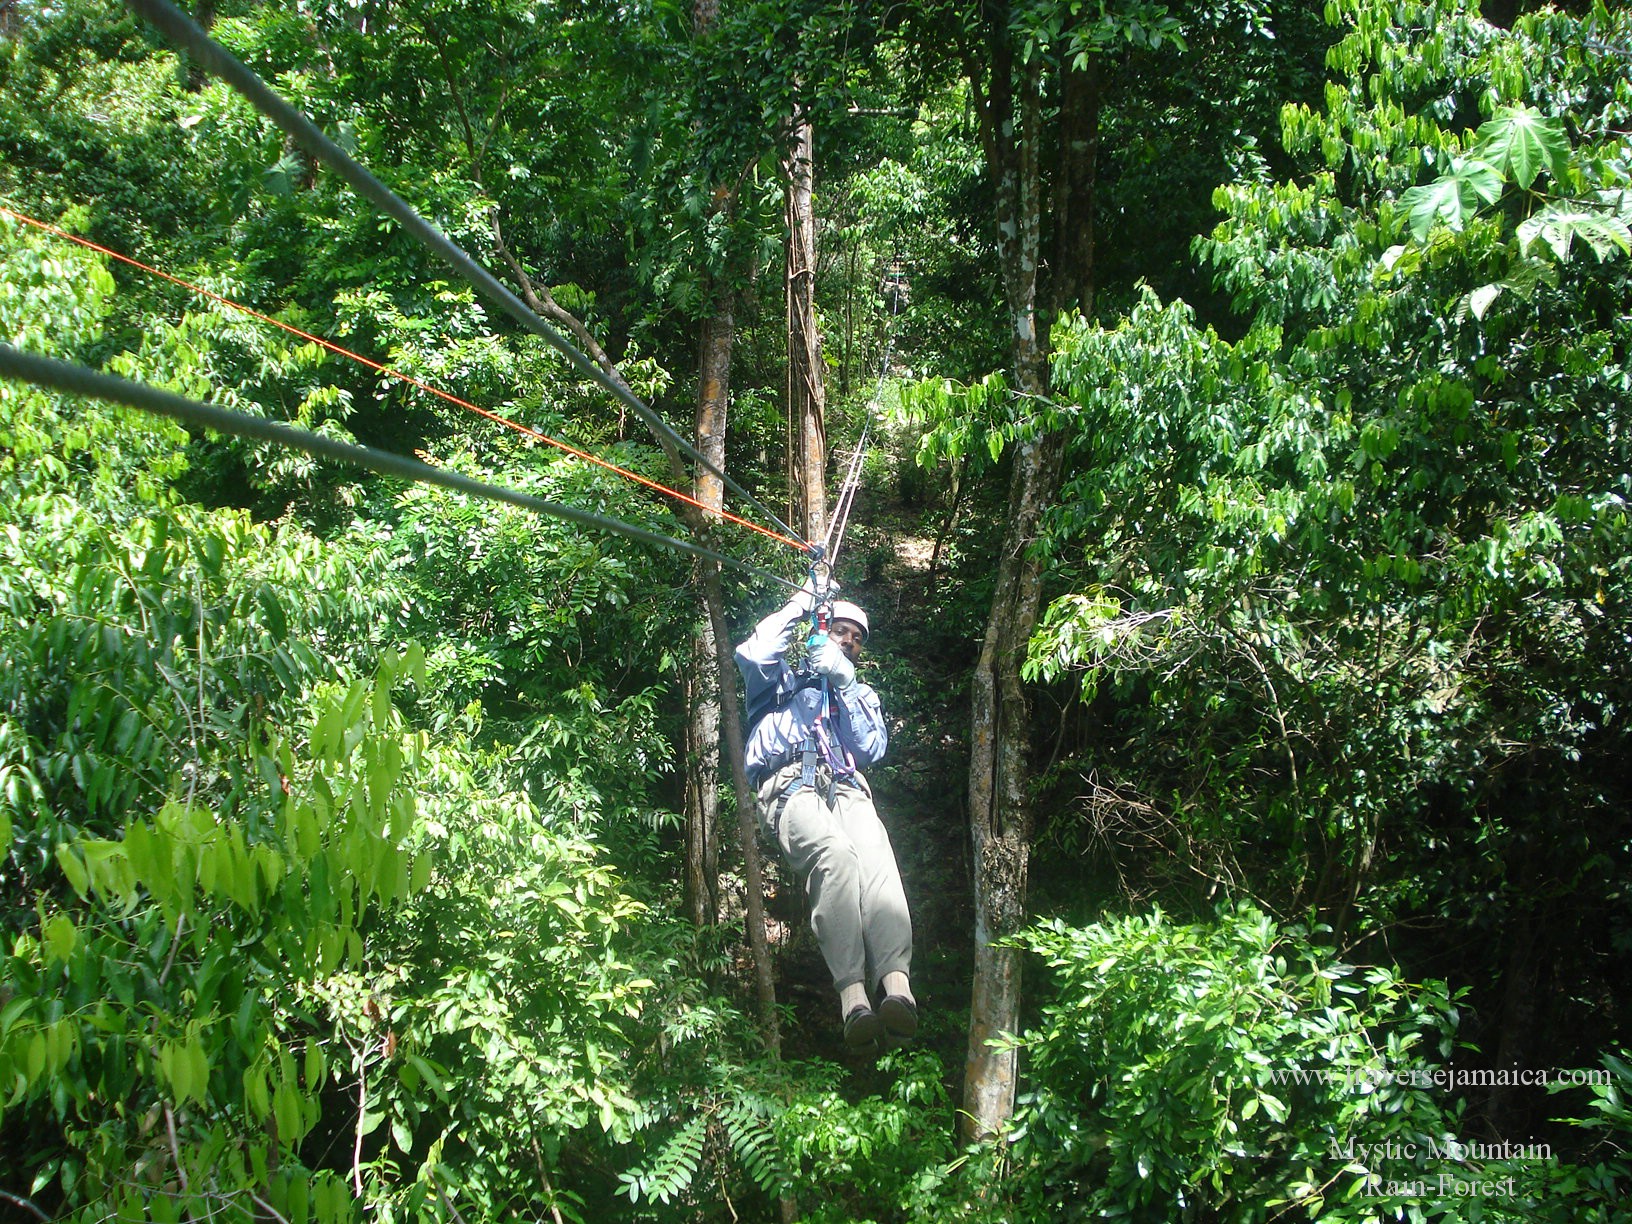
[{"x": 810, "y": 733}]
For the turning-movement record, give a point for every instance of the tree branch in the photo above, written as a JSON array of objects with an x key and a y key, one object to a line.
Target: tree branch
[
  {"x": 362, "y": 1109},
  {"x": 544, "y": 1176},
  {"x": 17, "y": 1200},
  {"x": 441, "y": 46},
  {"x": 540, "y": 301},
  {"x": 269, "y": 1209},
  {"x": 175, "y": 1148}
]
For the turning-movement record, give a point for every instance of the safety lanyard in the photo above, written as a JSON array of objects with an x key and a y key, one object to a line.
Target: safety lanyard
[{"x": 836, "y": 754}]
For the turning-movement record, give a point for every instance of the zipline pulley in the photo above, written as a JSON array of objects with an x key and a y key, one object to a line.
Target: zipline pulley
[{"x": 894, "y": 290}]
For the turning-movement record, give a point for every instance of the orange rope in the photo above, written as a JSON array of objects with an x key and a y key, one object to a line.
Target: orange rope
[{"x": 526, "y": 430}]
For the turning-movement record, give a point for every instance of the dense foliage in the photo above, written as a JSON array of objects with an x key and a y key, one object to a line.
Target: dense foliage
[
  {"x": 1385, "y": 596},
  {"x": 338, "y": 835}
]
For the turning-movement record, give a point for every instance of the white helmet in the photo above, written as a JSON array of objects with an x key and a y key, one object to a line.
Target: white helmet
[{"x": 843, "y": 609}]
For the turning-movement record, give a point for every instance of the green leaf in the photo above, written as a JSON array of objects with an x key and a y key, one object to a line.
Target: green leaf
[
  {"x": 1452, "y": 197},
  {"x": 381, "y": 711},
  {"x": 287, "y": 1112},
  {"x": 1480, "y": 299},
  {"x": 198, "y": 1070},
  {"x": 1520, "y": 143},
  {"x": 1558, "y": 226},
  {"x": 430, "y": 1072},
  {"x": 277, "y": 624},
  {"x": 315, "y": 1061},
  {"x": 59, "y": 937},
  {"x": 74, "y": 870},
  {"x": 414, "y": 660},
  {"x": 281, "y": 177}
]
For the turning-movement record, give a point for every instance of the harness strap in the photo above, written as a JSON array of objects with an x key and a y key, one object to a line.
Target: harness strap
[
  {"x": 778, "y": 697},
  {"x": 840, "y": 763},
  {"x": 807, "y": 756}
]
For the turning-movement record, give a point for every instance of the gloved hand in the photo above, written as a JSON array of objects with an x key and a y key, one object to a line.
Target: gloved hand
[{"x": 831, "y": 661}]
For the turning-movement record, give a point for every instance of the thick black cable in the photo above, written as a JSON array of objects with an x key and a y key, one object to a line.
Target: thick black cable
[
  {"x": 182, "y": 31},
  {"x": 77, "y": 380}
]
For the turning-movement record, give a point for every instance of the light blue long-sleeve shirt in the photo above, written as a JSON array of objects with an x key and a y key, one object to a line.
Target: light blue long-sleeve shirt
[{"x": 859, "y": 719}]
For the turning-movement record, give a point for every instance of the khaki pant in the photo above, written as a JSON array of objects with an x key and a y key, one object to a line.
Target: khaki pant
[{"x": 844, "y": 857}]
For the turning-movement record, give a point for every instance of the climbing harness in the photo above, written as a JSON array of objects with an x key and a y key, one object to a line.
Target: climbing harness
[
  {"x": 821, "y": 760},
  {"x": 824, "y": 759},
  {"x": 778, "y": 697}
]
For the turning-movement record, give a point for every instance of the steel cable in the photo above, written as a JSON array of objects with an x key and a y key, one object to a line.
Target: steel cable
[
  {"x": 182, "y": 31},
  {"x": 78, "y": 380},
  {"x": 852, "y": 479},
  {"x": 525, "y": 430}
]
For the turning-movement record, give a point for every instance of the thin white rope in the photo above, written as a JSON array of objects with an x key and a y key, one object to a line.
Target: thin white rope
[{"x": 852, "y": 479}]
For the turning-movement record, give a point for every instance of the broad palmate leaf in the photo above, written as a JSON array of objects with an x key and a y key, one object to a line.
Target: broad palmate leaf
[
  {"x": 1560, "y": 225},
  {"x": 1519, "y": 142},
  {"x": 1453, "y": 197}
]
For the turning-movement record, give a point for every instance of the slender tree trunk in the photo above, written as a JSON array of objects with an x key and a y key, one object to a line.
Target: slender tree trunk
[
  {"x": 1072, "y": 204},
  {"x": 713, "y": 400},
  {"x": 1000, "y": 809},
  {"x": 703, "y": 691},
  {"x": 747, "y": 819},
  {"x": 197, "y": 75},
  {"x": 807, "y": 395},
  {"x": 702, "y": 794},
  {"x": 1000, "y": 813},
  {"x": 704, "y": 711},
  {"x": 719, "y": 332}
]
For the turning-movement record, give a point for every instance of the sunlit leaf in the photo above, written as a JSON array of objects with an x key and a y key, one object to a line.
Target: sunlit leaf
[
  {"x": 1520, "y": 143},
  {"x": 1452, "y": 198}
]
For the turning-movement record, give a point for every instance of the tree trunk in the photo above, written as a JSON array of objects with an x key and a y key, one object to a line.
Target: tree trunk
[
  {"x": 713, "y": 385},
  {"x": 713, "y": 401},
  {"x": 999, "y": 806},
  {"x": 747, "y": 818},
  {"x": 703, "y": 689},
  {"x": 1000, "y": 815},
  {"x": 714, "y": 672},
  {"x": 702, "y": 794},
  {"x": 1072, "y": 204},
  {"x": 197, "y": 76},
  {"x": 1010, "y": 109},
  {"x": 807, "y": 395}
]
